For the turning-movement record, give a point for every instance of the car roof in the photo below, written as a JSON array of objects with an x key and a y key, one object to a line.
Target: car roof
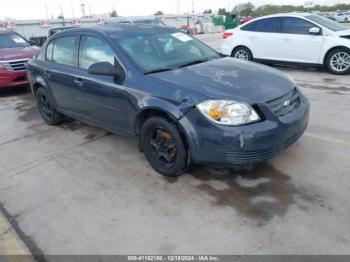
[
  {"x": 288, "y": 14},
  {"x": 119, "y": 29}
]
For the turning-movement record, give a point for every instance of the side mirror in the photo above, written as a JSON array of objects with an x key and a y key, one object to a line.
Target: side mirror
[
  {"x": 315, "y": 31},
  {"x": 107, "y": 69}
]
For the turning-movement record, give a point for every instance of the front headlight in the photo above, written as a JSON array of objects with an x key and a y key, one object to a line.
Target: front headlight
[{"x": 228, "y": 112}]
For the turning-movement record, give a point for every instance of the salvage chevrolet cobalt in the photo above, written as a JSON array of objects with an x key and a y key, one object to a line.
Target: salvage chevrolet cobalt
[{"x": 181, "y": 100}]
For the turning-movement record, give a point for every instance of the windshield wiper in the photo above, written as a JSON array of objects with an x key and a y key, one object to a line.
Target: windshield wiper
[
  {"x": 158, "y": 70},
  {"x": 194, "y": 62}
]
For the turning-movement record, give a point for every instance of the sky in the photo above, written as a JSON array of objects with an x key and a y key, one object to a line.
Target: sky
[{"x": 36, "y": 9}]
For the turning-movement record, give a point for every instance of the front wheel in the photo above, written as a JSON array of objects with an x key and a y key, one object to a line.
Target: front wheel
[
  {"x": 164, "y": 146},
  {"x": 242, "y": 53},
  {"x": 338, "y": 61}
]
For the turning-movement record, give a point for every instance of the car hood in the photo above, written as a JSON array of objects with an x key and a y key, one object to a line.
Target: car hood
[
  {"x": 229, "y": 78},
  {"x": 7, "y": 54},
  {"x": 343, "y": 32}
]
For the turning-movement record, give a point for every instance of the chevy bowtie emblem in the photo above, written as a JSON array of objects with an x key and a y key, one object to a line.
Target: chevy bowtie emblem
[{"x": 286, "y": 103}]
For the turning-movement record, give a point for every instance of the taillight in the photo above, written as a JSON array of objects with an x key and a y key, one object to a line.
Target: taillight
[{"x": 227, "y": 35}]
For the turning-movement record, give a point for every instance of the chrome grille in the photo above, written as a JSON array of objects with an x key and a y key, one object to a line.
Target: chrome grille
[
  {"x": 285, "y": 104},
  {"x": 16, "y": 65}
]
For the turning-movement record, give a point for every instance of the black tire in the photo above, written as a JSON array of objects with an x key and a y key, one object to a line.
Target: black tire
[
  {"x": 346, "y": 20},
  {"x": 168, "y": 156},
  {"x": 330, "y": 56},
  {"x": 47, "y": 109},
  {"x": 243, "y": 50}
]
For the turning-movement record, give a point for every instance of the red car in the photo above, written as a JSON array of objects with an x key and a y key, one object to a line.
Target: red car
[
  {"x": 244, "y": 20},
  {"x": 15, "y": 51}
]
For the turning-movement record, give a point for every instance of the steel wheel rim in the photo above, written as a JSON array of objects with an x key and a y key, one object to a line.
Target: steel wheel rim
[
  {"x": 340, "y": 62},
  {"x": 45, "y": 106},
  {"x": 162, "y": 147},
  {"x": 242, "y": 55}
]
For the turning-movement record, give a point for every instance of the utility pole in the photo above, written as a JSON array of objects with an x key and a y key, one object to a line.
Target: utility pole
[
  {"x": 72, "y": 11},
  {"x": 63, "y": 23},
  {"x": 82, "y": 5},
  {"x": 90, "y": 10},
  {"x": 47, "y": 12},
  {"x": 193, "y": 12}
]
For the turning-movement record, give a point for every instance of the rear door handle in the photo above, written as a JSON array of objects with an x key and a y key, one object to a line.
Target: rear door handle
[
  {"x": 286, "y": 39},
  {"x": 78, "y": 81}
]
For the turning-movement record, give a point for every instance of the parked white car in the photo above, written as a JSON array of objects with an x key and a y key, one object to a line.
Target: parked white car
[
  {"x": 343, "y": 17},
  {"x": 294, "y": 38}
]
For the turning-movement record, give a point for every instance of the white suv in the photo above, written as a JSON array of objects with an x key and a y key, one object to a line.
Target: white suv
[{"x": 293, "y": 38}]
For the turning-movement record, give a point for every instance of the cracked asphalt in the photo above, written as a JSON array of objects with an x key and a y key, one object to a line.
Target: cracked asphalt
[{"x": 77, "y": 189}]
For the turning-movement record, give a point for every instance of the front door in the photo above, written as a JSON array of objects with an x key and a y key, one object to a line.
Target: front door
[
  {"x": 100, "y": 99},
  {"x": 296, "y": 44}
]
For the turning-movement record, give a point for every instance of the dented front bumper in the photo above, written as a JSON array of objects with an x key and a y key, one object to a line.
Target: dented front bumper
[{"x": 247, "y": 145}]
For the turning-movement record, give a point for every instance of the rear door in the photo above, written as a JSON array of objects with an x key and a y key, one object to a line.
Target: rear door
[
  {"x": 296, "y": 44},
  {"x": 61, "y": 64},
  {"x": 262, "y": 36}
]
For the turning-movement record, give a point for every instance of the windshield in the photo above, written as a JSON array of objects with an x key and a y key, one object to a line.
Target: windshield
[
  {"x": 149, "y": 22},
  {"x": 331, "y": 25},
  {"x": 169, "y": 50},
  {"x": 12, "y": 41}
]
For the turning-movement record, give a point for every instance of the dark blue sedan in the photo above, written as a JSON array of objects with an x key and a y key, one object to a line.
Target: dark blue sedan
[{"x": 183, "y": 101}]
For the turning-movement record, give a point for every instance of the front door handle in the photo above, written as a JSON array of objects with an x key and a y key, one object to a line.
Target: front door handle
[
  {"x": 286, "y": 39},
  {"x": 47, "y": 73},
  {"x": 79, "y": 82}
]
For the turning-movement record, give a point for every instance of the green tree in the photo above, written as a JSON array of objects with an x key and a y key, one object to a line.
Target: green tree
[
  {"x": 244, "y": 9},
  {"x": 113, "y": 14},
  {"x": 208, "y": 11},
  {"x": 158, "y": 13},
  {"x": 222, "y": 11}
]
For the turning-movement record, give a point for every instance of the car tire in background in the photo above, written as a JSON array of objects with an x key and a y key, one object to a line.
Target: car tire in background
[
  {"x": 47, "y": 109},
  {"x": 164, "y": 147},
  {"x": 242, "y": 53},
  {"x": 338, "y": 61}
]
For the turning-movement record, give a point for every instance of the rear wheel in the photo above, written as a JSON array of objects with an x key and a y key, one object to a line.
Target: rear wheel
[
  {"x": 338, "y": 61},
  {"x": 46, "y": 108},
  {"x": 242, "y": 53},
  {"x": 346, "y": 20},
  {"x": 163, "y": 146}
]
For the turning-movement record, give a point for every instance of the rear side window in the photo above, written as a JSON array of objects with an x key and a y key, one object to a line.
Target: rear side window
[
  {"x": 61, "y": 50},
  {"x": 292, "y": 25},
  {"x": 268, "y": 25},
  {"x": 93, "y": 50}
]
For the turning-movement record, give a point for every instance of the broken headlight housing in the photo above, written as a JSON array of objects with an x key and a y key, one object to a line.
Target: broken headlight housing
[{"x": 228, "y": 112}]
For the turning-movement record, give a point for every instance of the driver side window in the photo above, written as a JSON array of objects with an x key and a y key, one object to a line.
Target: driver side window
[
  {"x": 93, "y": 50},
  {"x": 297, "y": 26}
]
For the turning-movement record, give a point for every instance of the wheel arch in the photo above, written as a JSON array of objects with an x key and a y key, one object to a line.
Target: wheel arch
[
  {"x": 39, "y": 82},
  {"x": 242, "y": 45},
  {"x": 152, "y": 111},
  {"x": 332, "y": 49}
]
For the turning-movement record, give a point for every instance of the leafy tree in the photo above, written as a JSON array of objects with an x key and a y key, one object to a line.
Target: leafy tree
[
  {"x": 158, "y": 13},
  {"x": 208, "y": 11},
  {"x": 244, "y": 9},
  {"x": 113, "y": 14},
  {"x": 222, "y": 11}
]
